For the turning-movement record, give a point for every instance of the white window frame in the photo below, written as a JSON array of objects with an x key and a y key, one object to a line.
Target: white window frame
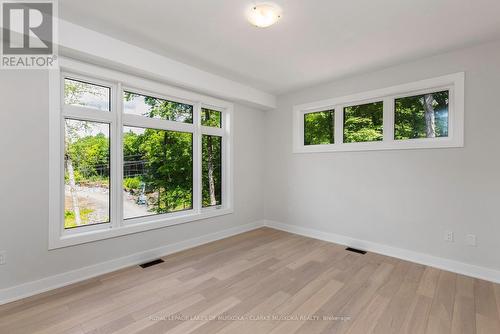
[
  {"x": 454, "y": 83},
  {"x": 119, "y": 82}
]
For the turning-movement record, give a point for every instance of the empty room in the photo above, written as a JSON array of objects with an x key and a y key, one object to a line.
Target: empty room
[{"x": 238, "y": 166}]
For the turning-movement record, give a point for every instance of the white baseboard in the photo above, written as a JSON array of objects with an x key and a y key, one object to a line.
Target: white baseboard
[
  {"x": 53, "y": 282},
  {"x": 404, "y": 254}
]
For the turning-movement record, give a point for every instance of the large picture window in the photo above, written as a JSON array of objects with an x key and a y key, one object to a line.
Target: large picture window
[
  {"x": 132, "y": 159},
  {"x": 422, "y": 114}
]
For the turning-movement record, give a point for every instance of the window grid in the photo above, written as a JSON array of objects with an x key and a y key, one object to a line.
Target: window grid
[
  {"x": 453, "y": 84},
  {"x": 117, "y": 120}
]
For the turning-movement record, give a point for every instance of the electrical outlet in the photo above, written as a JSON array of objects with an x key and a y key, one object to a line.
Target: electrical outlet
[
  {"x": 3, "y": 257},
  {"x": 448, "y": 236},
  {"x": 470, "y": 240}
]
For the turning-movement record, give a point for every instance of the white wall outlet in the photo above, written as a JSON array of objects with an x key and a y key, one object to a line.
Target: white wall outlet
[
  {"x": 470, "y": 240},
  {"x": 448, "y": 236},
  {"x": 3, "y": 257}
]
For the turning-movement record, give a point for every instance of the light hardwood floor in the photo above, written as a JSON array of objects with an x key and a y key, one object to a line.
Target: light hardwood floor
[{"x": 303, "y": 285}]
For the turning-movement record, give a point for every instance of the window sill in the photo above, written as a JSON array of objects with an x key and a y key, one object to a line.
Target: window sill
[
  {"x": 423, "y": 143},
  {"x": 134, "y": 227}
]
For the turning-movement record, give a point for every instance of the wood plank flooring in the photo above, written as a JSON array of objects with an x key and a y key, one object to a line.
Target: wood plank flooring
[{"x": 265, "y": 281}]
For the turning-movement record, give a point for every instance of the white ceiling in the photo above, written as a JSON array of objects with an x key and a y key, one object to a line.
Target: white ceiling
[{"x": 315, "y": 41}]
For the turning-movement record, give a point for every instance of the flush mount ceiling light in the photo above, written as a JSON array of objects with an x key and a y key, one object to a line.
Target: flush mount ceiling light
[{"x": 263, "y": 15}]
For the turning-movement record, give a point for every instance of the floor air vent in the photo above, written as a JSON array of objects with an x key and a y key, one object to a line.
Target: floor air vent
[
  {"x": 354, "y": 250},
  {"x": 151, "y": 263}
]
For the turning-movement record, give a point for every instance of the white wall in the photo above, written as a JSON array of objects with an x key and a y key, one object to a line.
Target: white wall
[
  {"x": 24, "y": 188},
  {"x": 405, "y": 199}
]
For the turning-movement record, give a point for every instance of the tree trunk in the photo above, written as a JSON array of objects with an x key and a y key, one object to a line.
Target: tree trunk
[
  {"x": 158, "y": 202},
  {"x": 430, "y": 117},
  {"x": 72, "y": 187},
  {"x": 210, "y": 165}
]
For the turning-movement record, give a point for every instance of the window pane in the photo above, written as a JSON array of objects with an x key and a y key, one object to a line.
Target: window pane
[
  {"x": 211, "y": 117},
  {"x": 153, "y": 107},
  {"x": 319, "y": 128},
  {"x": 157, "y": 172},
  {"x": 422, "y": 116},
  {"x": 211, "y": 170},
  {"x": 363, "y": 123},
  {"x": 78, "y": 93},
  {"x": 86, "y": 173}
]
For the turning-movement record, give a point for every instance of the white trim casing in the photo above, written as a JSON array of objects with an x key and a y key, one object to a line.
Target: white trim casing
[
  {"x": 55, "y": 149},
  {"x": 454, "y": 83},
  {"x": 117, "y": 81}
]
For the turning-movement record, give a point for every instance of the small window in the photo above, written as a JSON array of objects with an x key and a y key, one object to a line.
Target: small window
[
  {"x": 319, "y": 128},
  {"x": 211, "y": 170},
  {"x": 422, "y": 116},
  {"x": 152, "y": 107},
  {"x": 157, "y": 171},
  {"x": 82, "y": 94},
  {"x": 86, "y": 173},
  {"x": 415, "y": 115},
  {"x": 211, "y": 117},
  {"x": 364, "y": 123}
]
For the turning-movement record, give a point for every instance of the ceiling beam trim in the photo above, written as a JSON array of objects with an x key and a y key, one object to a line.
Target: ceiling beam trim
[{"x": 88, "y": 45}]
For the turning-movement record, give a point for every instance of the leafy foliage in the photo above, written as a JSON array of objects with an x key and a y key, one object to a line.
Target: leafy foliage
[
  {"x": 319, "y": 128},
  {"x": 410, "y": 116},
  {"x": 90, "y": 156},
  {"x": 132, "y": 183},
  {"x": 69, "y": 217},
  {"x": 363, "y": 123},
  {"x": 168, "y": 172},
  {"x": 132, "y": 142},
  {"x": 211, "y": 117}
]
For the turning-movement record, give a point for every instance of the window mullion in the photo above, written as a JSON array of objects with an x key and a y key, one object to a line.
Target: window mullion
[
  {"x": 61, "y": 149},
  {"x": 339, "y": 124},
  {"x": 117, "y": 159},
  {"x": 224, "y": 171},
  {"x": 227, "y": 156},
  {"x": 388, "y": 119},
  {"x": 154, "y": 123},
  {"x": 300, "y": 129},
  {"x": 87, "y": 114},
  {"x": 206, "y": 130},
  {"x": 197, "y": 147}
]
